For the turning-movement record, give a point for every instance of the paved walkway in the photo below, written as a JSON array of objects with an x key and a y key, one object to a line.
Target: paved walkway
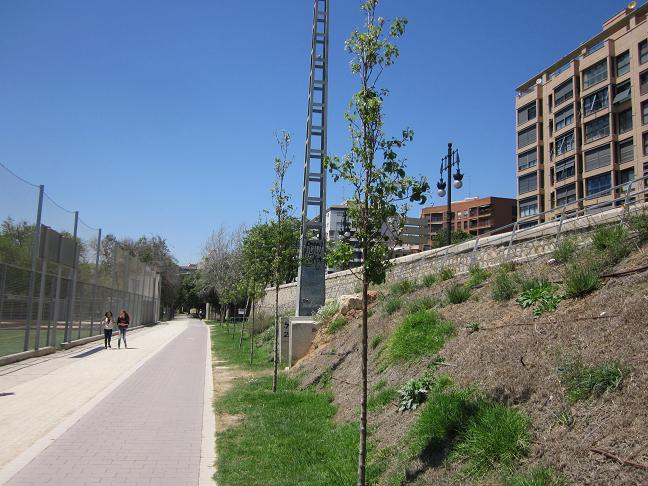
[{"x": 142, "y": 424}]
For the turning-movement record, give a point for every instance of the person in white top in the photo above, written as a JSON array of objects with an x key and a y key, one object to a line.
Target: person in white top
[{"x": 108, "y": 326}]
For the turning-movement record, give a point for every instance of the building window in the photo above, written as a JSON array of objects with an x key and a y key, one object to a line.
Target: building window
[
  {"x": 526, "y": 113},
  {"x": 595, "y": 74},
  {"x": 527, "y": 137},
  {"x": 598, "y": 157},
  {"x": 527, "y": 183},
  {"x": 564, "y": 117},
  {"x": 643, "y": 82},
  {"x": 621, "y": 92},
  {"x": 624, "y": 121},
  {"x": 595, "y": 102},
  {"x": 599, "y": 183},
  {"x": 565, "y": 143},
  {"x": 625, "y": 177},
  {"x": 625, "y": 151},
  {"x": 564, "y": 92},
  {"x": 527, "y": 159},
  {"x": 645, "y": 143},
  {"x": 528, "y": 207},
  {"x": 565, "y": 168},
  {"x": 643, "y": 52},
  {"x": 597, "y": 129},
  {"x": 623, "y": 63},
  {"x": 566, "y": 194},
  {"x": 644, "y": 112}
]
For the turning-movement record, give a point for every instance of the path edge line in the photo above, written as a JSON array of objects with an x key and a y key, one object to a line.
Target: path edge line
[{"x": 208, "y": 446}]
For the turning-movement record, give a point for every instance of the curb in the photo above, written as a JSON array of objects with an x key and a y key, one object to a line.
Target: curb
[{"x": 208, "y": 448}]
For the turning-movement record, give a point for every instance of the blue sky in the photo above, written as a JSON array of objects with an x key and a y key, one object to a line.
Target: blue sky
[{"x": 158, "y": 117}]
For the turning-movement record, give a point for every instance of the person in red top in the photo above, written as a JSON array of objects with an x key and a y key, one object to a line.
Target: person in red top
[{"x": 122, "y": 323}]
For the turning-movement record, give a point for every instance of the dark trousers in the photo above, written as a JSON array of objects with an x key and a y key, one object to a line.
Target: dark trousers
[{"x": 107, "y": 337}]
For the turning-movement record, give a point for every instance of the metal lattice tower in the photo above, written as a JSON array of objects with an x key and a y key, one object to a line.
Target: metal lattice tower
[{"x": 312, "y": 268}]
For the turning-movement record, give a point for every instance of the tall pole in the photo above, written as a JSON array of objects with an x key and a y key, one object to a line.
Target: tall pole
[
  {"x": 32, "y": 275},
  {"x": 449, "y": 164},
  {"x": 69, "y": 318}
]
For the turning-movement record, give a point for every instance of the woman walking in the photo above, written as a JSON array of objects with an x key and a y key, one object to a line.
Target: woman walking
[
  {"x": 122, "y": 323},
  {"x": 108, "y": 326}
]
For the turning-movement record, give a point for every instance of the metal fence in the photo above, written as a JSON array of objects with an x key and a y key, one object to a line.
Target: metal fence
[{"x": 58, "y": 275}]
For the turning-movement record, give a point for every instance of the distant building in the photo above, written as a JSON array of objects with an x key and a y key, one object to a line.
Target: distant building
[
  {"x": 188, "y": 269},
  {"x": 474, "y": 215},
  {"x": 582, "y": 123}
]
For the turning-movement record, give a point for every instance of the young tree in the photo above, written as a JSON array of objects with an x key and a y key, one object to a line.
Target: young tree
[
  {"x": 281, "y": 231},
  {"x": 374, "y": 170}
]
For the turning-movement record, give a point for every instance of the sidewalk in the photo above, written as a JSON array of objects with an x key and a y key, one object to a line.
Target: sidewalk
[{"x": 129, "y": 416}]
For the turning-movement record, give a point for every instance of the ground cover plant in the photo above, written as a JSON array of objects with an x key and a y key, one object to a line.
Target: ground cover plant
[
  {"x": 612, "y": 244},
  {"x": 582, "y": 381},
  {"x": 422, "y": 303},
  {"x": 429, "y": 280},
  {"x": 446, "y": 273},
  {"x": 639, "y": 224},
  {"x": 336, "y": 324},
  {"x": 420, "y": 334},
  {"x": 392, "y": 304},
  {"x": 477, "y": 275},
  {"x": 581, "y": 278},
  {"x": 565, "y": 250},
  {"x": 382, "y": 396},
  {"x": 415, "y": 391},
  {"x": 542, "y": 298},
  {"x": 504, "y": 286},
  {"x": 326, "y": 313},
  {"x": 402, "y": 287},
  {"x": 228, "y": 349},
  {"x": 458, "y": 294},
  {"x": 538, "y": 476}
]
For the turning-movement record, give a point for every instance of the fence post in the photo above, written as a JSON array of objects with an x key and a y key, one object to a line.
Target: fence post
[
  {"x": 508, "y": 249},
  {"x": 626, "y": 210},
  {"x": 51, "y": 336},
  {"x": 72, "y": 293},
  {"x": 94, "y": 285},
  {"x": 127, "y": 280},
  {"x": 112, "y": 277},
  {"x": 474, "y": 252},
  {"x": 32, "y": 275},
  {"x": 41, "y": 293},
  {"x": 562, "y": 217},
  {"x": 3, "y": 285}
]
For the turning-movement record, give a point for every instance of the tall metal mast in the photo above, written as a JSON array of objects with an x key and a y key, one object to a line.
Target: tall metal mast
[{"x": 312, "y": 268}]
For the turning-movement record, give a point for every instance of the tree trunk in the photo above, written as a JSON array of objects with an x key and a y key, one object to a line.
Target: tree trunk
[
  {"x": 252, "y": 335},
  {"x": 276, "y": 340},
  {"x": 362, "y": 446}
]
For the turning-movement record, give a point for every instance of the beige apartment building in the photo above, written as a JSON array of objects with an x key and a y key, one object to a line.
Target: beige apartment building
[{"x": 582, "y": 123}]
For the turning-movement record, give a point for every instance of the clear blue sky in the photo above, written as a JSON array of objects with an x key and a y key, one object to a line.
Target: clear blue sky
[{"x": 157, "y": 117}]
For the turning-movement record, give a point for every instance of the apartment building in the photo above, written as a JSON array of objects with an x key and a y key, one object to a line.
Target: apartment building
[
  {"x": 582, "y": 123},
  {"x": 474, "y": 215}
]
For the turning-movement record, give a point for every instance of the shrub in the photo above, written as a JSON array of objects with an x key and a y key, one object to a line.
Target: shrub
[
  {"x": 375, "y": 341},
  {"x": 503, "y": 286},
  {"x": 458, "y": 294},
  {"x": 565, "y": 250},
  {"x": 477, "y": 275},
  {"x": 639, "y": 224},
  {"x": 392, "y": 304},
  {"x": 528, "y": 283},
  {"x": 612, "y": 244},
  {"x": 402, "y": 287},
  {"x": 581, "y": 381},
  {"x": 538, "y": 476},
  {"x": 446, "y": 273},
  {"x": 415, "y": 392},
  {"x": 429, "y": 280},
  {"x": 542, "y": 298},
  {"x": 507, "y": 267},
  {"x": 325, "y": 313},
  {"x": 337, "y": 324},
  {"x": 422, "y": 303},
  {"x": 581, "y": 278},
  {"x": 420, "y": 334}
]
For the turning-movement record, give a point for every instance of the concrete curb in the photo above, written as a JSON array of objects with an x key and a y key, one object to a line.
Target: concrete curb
[
  {"x": 34, "y": 353},
  {"x": 14, "y": 466},
  {"x": 208, "y": 447}
]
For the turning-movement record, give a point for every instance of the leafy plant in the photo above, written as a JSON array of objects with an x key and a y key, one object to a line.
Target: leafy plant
[
  {"x": 581, "y": 381},
  {"x": 472, "y": 327},
  {"x": 415, "y": 392},
  {"x": 458, "y": 294},
  {"x": 429, "y": 280},
  {"x": 581, "y": 278},
  {"x": 477, "y": 275},
  {"x": 543, "y": 298},
  {"x": 446, "y": 273},
  {"x": 337, "y": 324},
  {"x": 420, "y": 334},
  {"x": 504, "y": 286},
  {"x": 392, "y": 304},
  {"x": 402, "y": 287},
  {"x": 565, "y": 250},
  {"x": 422, "y": 303}
]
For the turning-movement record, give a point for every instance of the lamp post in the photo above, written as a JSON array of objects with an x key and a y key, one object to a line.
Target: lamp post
[{"x": 446, "y": 164}]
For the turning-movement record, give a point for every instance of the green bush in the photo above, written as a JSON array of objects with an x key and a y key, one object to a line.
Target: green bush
[
  {"x": 337, "y": 324},
  {"x": 402, "y": 287},
  {"x": 458, "y": 294},
  {"x": 581, "y": 381},
  {"x": 538, "y": 476},
  {"x": 507, "y": 267},
  {"x": 422, "y": 303},
  {"x": 446, "y": 273},
  {"x": 392, "y": 304},
  {"x": 612, "y": 244},
  {"x": 420, "y": 334},
  {"x": 639, "y": 224},
  {"x": 533, "y": 282},
  {"x": 415, "y": 392},
  {"x": 543, "y": 298},
  {"x": 581, "y": 278},
  {"x": 429, "y": 280},
  {"x": 325, "y": 313},
  {"x": 504, "y": 286},
  {"x": 477, "y": 276},
  {"x": 565, "y": 250}
]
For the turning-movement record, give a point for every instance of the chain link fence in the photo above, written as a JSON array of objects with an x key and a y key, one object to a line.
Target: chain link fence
[{"x": 58, "y": 275}]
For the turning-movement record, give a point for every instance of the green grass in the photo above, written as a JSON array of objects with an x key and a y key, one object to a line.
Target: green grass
[
  {"x": 458, "y": 294},
  {"x": 421, "y": 303},
  {"x": 392, "y": 304},
  {"x": 227, "y": 349},
  {"x": 11, "y": 341},
  {"x": 421, "y": 334},
  {"x": 287, "y": 437},
  {"x": 402, "y": 287},
  {"x": 533, "y": 282},
  {"x": 337, "y": 324},
  {"x": 582, "y": 381},
  {"x": 612, "y": 244},
  {"x": 376, "y": 340},
  {"x": 565, "y": 250},
  {"x": 639, "y": 224},
  {"x": 429, "y": 280},
  {"x": 381, "y": 398},
  {"x": 477, "y": 276},
  {"x": 446, "y": 273},
  {"x": 581, "y": 278},
  {"x": 325, "y": 313},
  {"x": 538, "y": 476},
  {"x": 504, "y": 286}
]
